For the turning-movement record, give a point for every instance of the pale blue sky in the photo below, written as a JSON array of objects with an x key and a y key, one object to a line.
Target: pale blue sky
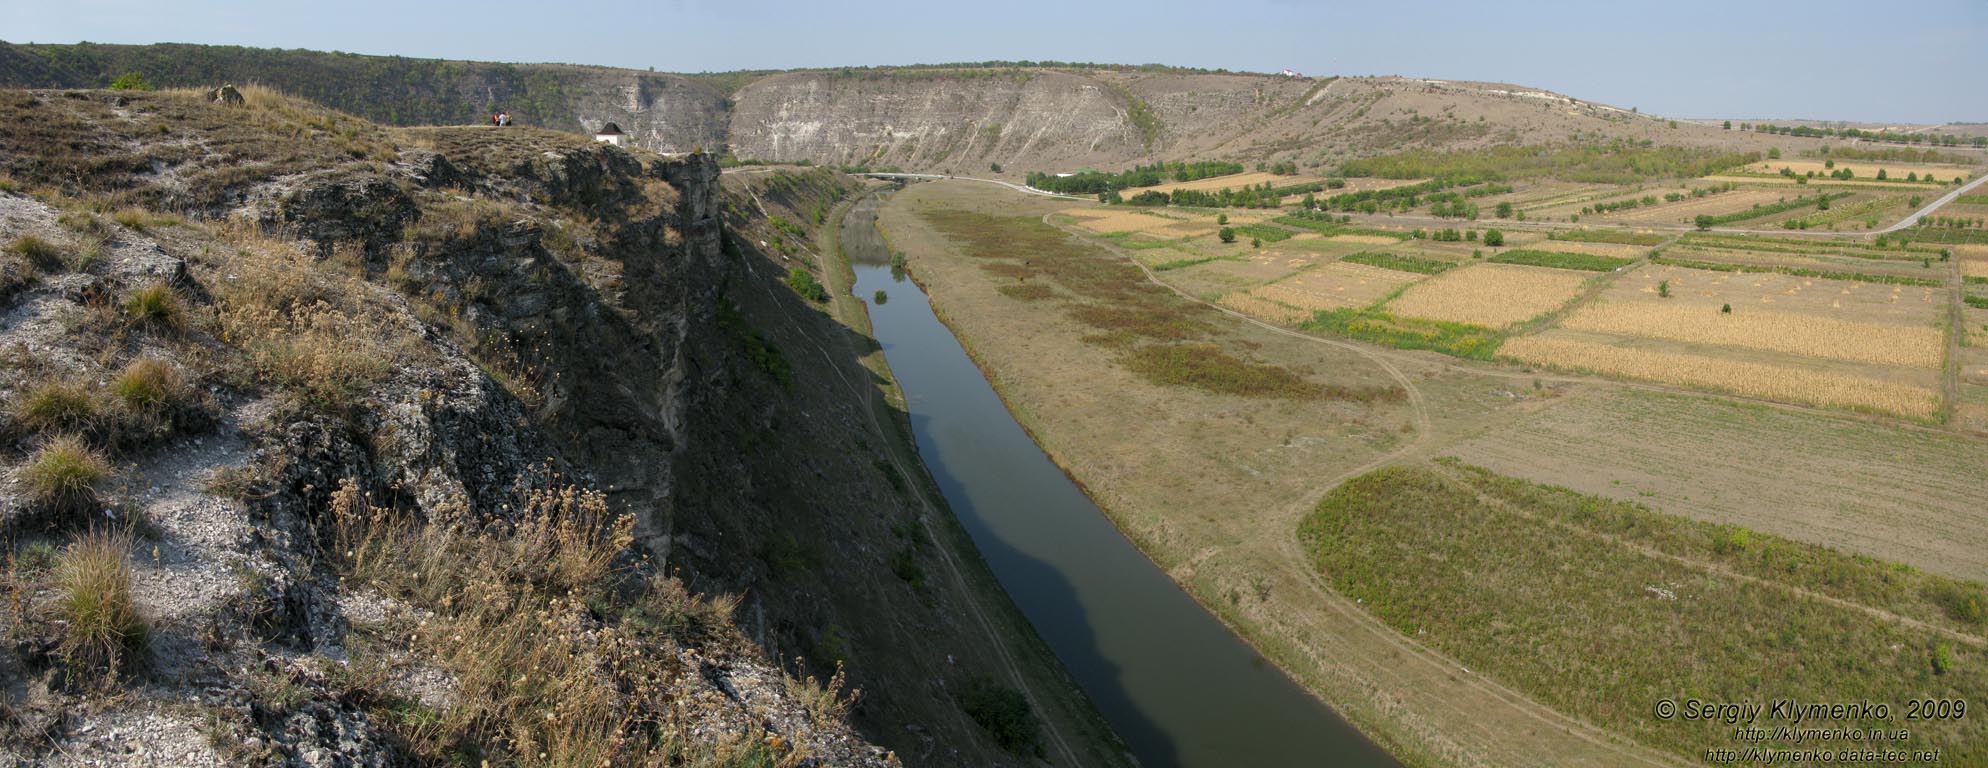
[{"x": 1869, "y": 60}]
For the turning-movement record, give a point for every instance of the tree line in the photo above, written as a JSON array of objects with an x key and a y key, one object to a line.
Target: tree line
[
  {"x": 1807, "y": 131},
  {"x": 1096, "y": 182}
]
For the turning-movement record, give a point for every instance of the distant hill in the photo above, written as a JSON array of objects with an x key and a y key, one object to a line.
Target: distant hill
[{"x": 957, "y": 118}]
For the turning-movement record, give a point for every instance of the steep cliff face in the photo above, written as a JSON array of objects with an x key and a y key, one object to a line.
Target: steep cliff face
[
  {"x": 945, "y": 119},
  {"x": 666, "y": 113},
  {"x": 935, "y": 120},
  {"x": 376, "y": 462},
  {"x": 442, "y": 404}
]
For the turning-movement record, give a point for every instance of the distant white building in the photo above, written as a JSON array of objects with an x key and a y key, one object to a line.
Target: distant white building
[
  {"x": 1292, "y": 73},
  {"x": 611, "y": 134}
]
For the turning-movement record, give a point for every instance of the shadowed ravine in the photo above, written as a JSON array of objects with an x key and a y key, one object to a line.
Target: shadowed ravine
[{"x": 1175, "y": 684}]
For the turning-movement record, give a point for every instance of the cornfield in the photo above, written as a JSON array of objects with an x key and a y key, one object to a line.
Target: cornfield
[
  {"x": 1491, "y": 295},
  {"x": 1793, "y": 333},
  {"x": 1773, "y": 382}
]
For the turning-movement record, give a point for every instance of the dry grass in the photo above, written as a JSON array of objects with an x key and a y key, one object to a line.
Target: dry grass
[
  {"x": 553, "y": 664},
  {"x": 65, "y": 475},
  {"x": 1490, "y": 295},
  {"x": 1974, "y": 267},
  {"x": 100, "y": 621},
  {"x": 1793, "y": 333},
  {"x": 57, "y": 407},
  {"x": 101, "y": 626},
  {"x": 1774, "y": 382},
  {"x": 324, "y": 336}
]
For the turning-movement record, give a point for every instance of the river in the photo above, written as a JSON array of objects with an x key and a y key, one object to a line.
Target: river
[{"x": 1171, "y": 679}]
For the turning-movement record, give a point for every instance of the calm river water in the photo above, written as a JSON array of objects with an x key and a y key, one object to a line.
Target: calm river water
[{"x": 1173, "y": 681}]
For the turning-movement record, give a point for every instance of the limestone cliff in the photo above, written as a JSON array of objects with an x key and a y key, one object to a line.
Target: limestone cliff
[{"x": 440, "y": 445}]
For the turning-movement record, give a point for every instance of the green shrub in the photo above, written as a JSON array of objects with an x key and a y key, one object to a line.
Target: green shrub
[
  {"x": 56, "y": 406},
  {"x": 65, "y": 475},
  {"x": 149, "y": 385},
  {"x": 1494, "y": 238},
  {"x": 1005, "y": 713},
  {"x": 101, "y": 624},
  {"x": 155, "y": 305},
  {"x": 131, "y": 81},
  {"x": 806, "y": 285},
  {"x": 1965, "y": 604}
]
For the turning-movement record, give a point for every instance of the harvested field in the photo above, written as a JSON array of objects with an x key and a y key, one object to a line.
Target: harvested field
[
  {"x": 1794, "y": 333},
  {"x": 1687, "y": 209},
  {"x": 1119, "y": 219},
  {"x": 1974, "y": 268},
  {"x": 1265, "y": 309},
  {"x": 1787, "y": 383},
  {"x": 1862, "y": 302},
  {"x": 1823, "y": 182},
  {"x": 1364, "y": 239},
  {"x": 1612, "y": 250},
  {"x": 1234, "y": 181},
  {"x": 1491, "y": 295},
  {"x": 1821, "y": 261},
  {"x": 1335, "y": 285},
  {"x": 1865, "y": 170}
]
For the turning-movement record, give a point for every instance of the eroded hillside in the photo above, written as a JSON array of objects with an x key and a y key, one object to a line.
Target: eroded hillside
[
  {"x": 955, "y": 119},
  {"x": 337, "y": 444}
]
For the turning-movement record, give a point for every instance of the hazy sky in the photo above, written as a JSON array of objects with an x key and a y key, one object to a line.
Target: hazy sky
[{"x": 1878, "y": 60}]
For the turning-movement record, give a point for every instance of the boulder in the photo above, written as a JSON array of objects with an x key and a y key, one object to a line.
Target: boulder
[{"x": 227, "y": 95}]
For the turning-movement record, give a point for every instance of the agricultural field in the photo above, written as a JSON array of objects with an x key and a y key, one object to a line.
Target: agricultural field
[
  {"x": 1840, "y": 343},
  {"x": 1864, "y": 170},
  {"x": 1489, "y": 295},
  {"x": 1232, "y": 181},
  {"x": 1335, "y": 285}
]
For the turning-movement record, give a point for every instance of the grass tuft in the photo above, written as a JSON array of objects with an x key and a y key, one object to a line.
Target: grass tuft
[
  {"x": 43, "y": 254},
  {"x": 155, "y": 306},
  {"x": 102, "y": 628},
  {"x": 148, "y": 386},
  {"x": 65, "y": 475},
  {"x": 57, "y": 407}
]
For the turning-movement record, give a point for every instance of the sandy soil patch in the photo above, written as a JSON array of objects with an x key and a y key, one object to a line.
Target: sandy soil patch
[
  {"x": 1493, "y": 295},
  {"x": 1787, "y": 383},
  {"x": 1336, "y": 285}
]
